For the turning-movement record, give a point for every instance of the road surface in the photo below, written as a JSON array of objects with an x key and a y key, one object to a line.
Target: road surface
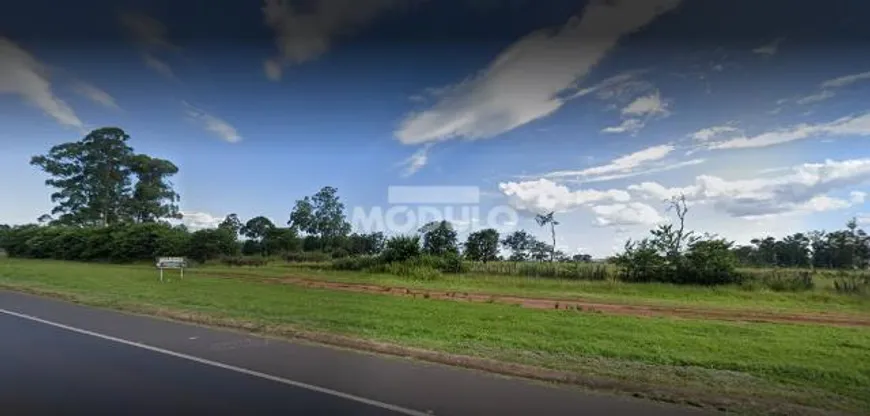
[{"x": 61, "y": 358}]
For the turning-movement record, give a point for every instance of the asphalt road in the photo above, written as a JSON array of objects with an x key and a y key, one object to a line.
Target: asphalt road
[{"x": 62, "y": 358}]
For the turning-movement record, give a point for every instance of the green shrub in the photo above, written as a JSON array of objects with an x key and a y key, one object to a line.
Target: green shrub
[
  {"x": 307, "y": 257},
  {"x": 780, "y": 281},
  {"x": 852, "y": 283},
  {"x": 244, "y": 261},
  {"x": 451, "y": 263},
  {"x": 401, "y": 248},
  {"x": 356, "y": 263}
]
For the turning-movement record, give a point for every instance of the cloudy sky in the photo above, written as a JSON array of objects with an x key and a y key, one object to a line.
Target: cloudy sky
[{"x": 756, "y": 111}]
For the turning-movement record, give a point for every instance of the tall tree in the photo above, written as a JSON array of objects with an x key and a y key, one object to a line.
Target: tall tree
[
  {"x": 439, "y": 238},
  {"x": 321, "y": 215},
  {"x": 153, "y": 196},
  {"x": 302, "y": 217},
  {"x": 482, "y": 245},
  {"x": 92, "y": 177},
  {"x": 544, "y": 220},
  {"x": 232, "y": 223}
]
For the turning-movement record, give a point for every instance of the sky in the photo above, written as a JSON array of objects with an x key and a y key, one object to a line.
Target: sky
[{"x": 597, "y": 110}]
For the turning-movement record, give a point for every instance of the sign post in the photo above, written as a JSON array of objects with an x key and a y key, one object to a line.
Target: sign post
[{"x": 171, "y": 263}]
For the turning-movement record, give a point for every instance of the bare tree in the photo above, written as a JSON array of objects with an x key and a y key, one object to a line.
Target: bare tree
[
  {"x": 677, "y": 203},
  {"x": 543, "y": 220}
]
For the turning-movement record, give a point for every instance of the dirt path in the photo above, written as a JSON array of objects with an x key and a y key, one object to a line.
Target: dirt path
[{"x": 567, "y": 304}]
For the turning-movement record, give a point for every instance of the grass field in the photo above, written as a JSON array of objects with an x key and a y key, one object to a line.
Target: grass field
[
  {"x": 749, "y": 367},
  {"x": 820, "y": 300}
]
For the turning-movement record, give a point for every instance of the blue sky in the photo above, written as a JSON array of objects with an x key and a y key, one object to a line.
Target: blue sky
[{"x": 598, "y": 111}]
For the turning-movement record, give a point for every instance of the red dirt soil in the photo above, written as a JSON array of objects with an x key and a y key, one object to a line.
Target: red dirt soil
[{"x": 579, "y": 305}]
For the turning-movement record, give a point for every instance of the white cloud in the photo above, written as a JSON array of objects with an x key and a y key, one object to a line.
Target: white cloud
[
  {"x": 814, "y": 98},
  {"x": 633, "y": 213},
  {"x": 715, "y": 132},
  {"x": 628, "y": 126},
  {"x": 648, "y": 105},
  {"x": 95, "y": 94},
  {"x": 416, "y": 161},
  {"x": 645, "y": 107},
  {"x": 863, "y": 219},
  {"x": 542, "y": 196},
  {"x": 857, "y": 197},
  {"x": 617, "y": 87},
  {"x": 846, "y": 80},
  {"x": 657, "y": 168},
  {"x": 805, "y": 188},
  {"x": 213, "y": 124},
  {"x": 24, "y": 75},
  {"x": 525, "y": 81},
  {"x": 857, "y": 125},
  {"x": 769, "y": 49},
  {"x": 621, "y": 164},
  {"x": 302, "y": 37},
  {"x": 150, "y": 36},
  {"x": 158, "y": 66},
  {"x": 200, "y": 220}
]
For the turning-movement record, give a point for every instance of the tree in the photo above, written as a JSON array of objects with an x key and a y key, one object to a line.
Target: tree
[
  {"x": 153, "y": 197},
  {"x": 232, "y": 223},
  {"x": 92, "y": 176},
  {"x": 541, "y": 251},
  {"x": 321, "y": 215},
  {"x": 302, "y": 217},
  {"x": 365, "y": 244},
  {"x": 482, "y": 245},
  {"x": 256, "y": 228},
  {"x": 582, "y": 258},
  {"x": 329, "y": 215},
  {"x": 439, "y": 238},
  {"x": 543, "y": 220},
  {"x": 280, "y": 240},
  {"x": 94, "y": 179},
  {"x": 519, "y": 243}
]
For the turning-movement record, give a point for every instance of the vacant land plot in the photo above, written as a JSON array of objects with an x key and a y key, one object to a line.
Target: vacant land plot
[
  {"x": 782, "y": 368},
  {"x": 822, "y": 300}
]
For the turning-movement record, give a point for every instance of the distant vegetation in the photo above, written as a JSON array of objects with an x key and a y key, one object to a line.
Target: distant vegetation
[{"x": 113, "y": 205}]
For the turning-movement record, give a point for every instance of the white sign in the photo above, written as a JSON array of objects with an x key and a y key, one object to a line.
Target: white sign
[{"x": 171, "y": 263}]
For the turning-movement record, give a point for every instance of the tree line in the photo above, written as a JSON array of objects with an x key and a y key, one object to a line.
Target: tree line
[{"x": 841, "y": 249}]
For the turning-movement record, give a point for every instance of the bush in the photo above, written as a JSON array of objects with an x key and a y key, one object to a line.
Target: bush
[
  {"x": 780, "y": 281},
  {"x": 307, "y": 257},
  {"x": 709, "y": 262},
  {"x": 641, "y": 262},
  {"x": 451, "y": 263},
  {"x": 358, "y": 263},
  {"x": 244, "y": 261},
  {"x": 412, "y": 271},
  {"x": 212, "y": 243},
  {"x": 851, "y": 283},
  {"x": 401, "y": 248}
]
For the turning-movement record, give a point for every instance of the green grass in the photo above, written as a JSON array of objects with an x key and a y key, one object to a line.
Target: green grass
[
  {"x": 808, "y": 365},
  {"x": 822, "y": 299}
]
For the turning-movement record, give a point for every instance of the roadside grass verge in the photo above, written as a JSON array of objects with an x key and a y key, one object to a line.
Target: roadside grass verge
[
  {"x": 821, "y": 300},
  {"x": 747, "y": 367}
]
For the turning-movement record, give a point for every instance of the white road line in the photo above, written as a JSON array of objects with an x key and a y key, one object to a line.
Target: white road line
[{"x": 382, "y": 405}]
